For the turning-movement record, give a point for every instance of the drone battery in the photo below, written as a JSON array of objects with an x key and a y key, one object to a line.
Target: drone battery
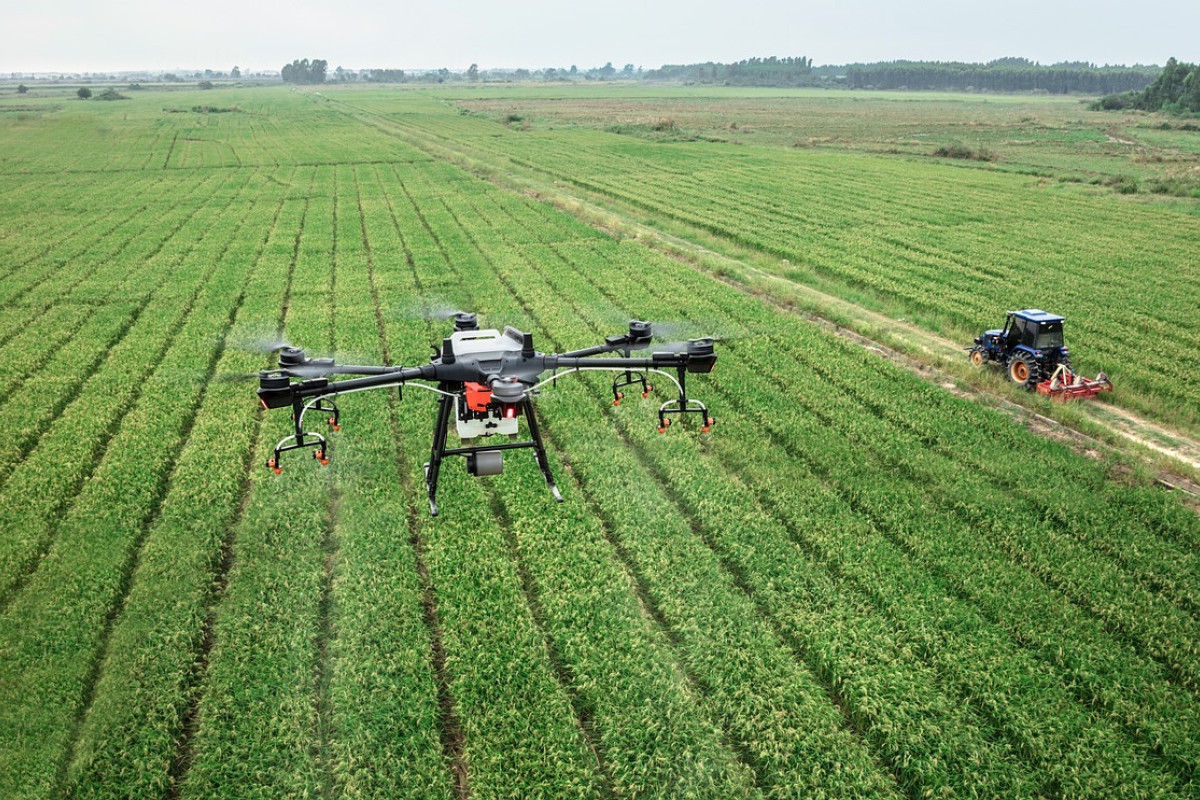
[{"x": 478, "y": 396}]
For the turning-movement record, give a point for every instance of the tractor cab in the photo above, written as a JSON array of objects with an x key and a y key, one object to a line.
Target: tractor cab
[{"x": 1034, "y": 329}]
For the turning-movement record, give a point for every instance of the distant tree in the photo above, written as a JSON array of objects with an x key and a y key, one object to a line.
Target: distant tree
[
  {"x": 574, "y": 70},
  {"x": 171, "y": 77},
  {"x": 550, "y": 74},
  {"x": 628, "y": 71},
  {"x": 22, "y": 89},
  {"x": 205, "y": 84},
  {"x": 305, "y": 71},
  {"x": 236, "y": 72},
  {"x": 473, "y": 73},
  {"x": 84, "y": 93},
  {"x": 608, "y": 70}
]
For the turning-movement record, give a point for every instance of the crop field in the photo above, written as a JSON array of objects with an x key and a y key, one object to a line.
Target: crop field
[
  {"x": 855, "y": 585},
  {"x": 949, "y": 248}
]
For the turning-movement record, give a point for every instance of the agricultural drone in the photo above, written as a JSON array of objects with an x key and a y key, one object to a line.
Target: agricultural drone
[{"x": 485, "y": 381}]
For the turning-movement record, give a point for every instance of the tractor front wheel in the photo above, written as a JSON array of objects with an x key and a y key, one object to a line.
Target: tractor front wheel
[
  {"x": 977, "y": 357},
  {"x": 1024, "y": 370}
]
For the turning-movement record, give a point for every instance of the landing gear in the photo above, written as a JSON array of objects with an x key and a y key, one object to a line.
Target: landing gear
[{"x": 481, "y": 459}]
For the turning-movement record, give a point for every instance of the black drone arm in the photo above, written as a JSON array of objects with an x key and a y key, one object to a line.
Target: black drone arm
[
  {"x": 698, "y": 357},
  {"x": 276, "y": 390}
]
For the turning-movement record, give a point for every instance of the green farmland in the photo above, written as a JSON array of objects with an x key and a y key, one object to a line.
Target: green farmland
[{"x": 856, "y": 585}]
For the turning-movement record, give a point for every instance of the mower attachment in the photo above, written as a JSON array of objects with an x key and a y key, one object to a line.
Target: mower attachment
[{"x": 1066, "y": 385}]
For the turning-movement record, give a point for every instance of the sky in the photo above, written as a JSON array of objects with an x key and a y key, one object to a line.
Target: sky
[{"x": 125, "y": 35}]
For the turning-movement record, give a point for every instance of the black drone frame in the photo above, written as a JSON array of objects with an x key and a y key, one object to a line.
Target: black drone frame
[{"x": 502, "y": 371}]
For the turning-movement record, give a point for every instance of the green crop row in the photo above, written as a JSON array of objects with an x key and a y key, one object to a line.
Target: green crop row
[
  {"x": 54, "y": 629},
  {"x": 127, "y": 743},
  {"x": 63, "y": 458}
]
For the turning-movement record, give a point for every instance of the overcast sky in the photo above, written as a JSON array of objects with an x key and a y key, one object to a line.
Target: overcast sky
[{"x": 96, "y": 36}]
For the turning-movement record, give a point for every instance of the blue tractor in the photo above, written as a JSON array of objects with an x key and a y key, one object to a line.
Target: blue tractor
[{"x": 1029, "y": 347}]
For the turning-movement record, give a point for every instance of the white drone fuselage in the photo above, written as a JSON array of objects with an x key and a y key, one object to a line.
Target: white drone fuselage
[{"x": 471, "y": 418}]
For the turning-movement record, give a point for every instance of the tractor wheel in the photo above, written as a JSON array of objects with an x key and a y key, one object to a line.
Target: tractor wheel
[
  {"x": 977, "y": 357},
  {"x": 1024, "y": 370}
]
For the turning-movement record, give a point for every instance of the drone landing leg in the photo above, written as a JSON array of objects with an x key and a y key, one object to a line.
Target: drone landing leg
[
  {"x": 539, "y": 448},
  {"x": 440, "y": 428}
]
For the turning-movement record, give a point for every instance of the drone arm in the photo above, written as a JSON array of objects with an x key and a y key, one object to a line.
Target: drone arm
[
  {"x": 699, "y": 360},
  {"x": 350, "y": 369},
  {"x": 391, "y": 376}
]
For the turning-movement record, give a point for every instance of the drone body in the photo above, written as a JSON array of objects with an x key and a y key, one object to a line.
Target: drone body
[{"x": 485, "y": 381}]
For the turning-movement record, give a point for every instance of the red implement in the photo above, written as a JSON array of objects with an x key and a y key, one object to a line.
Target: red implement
[{"x": 1066, "y": 385}]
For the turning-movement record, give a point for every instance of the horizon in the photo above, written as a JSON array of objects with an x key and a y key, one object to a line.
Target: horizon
[
  {"x": 193, "y": 70},
  {"x": 76, "y": 37}
]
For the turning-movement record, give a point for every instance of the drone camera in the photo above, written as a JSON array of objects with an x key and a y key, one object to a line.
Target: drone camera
[
  {"x": 274, "y": 389},
  {"x": 485, "y": 462}
]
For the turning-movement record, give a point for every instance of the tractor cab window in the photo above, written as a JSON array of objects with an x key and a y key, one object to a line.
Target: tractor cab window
[
  {"x": 1016, "y": 330},
  {"x": 1050, "y": 336}
]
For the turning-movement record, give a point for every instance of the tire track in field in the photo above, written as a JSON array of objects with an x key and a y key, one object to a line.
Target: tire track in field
[
  {"x": 529, "y": 588},
  {"x": 68, "y": 495},
  {"x": 327, "y": 604},
  {"x": 191, "y": 716},
  {"x": 450, "y": 729}
]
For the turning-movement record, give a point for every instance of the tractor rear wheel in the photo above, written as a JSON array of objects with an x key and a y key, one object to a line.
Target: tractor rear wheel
[
  {"x": 977, "y": 357},
  {"x": 1023, "y": 369}
]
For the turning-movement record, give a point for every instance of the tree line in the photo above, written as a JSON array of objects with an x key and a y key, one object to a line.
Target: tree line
[
  {"x": 771, "y": 71},
  {"x": 1001, "y": 75},
  {"x": 1176, "y": 89}
]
